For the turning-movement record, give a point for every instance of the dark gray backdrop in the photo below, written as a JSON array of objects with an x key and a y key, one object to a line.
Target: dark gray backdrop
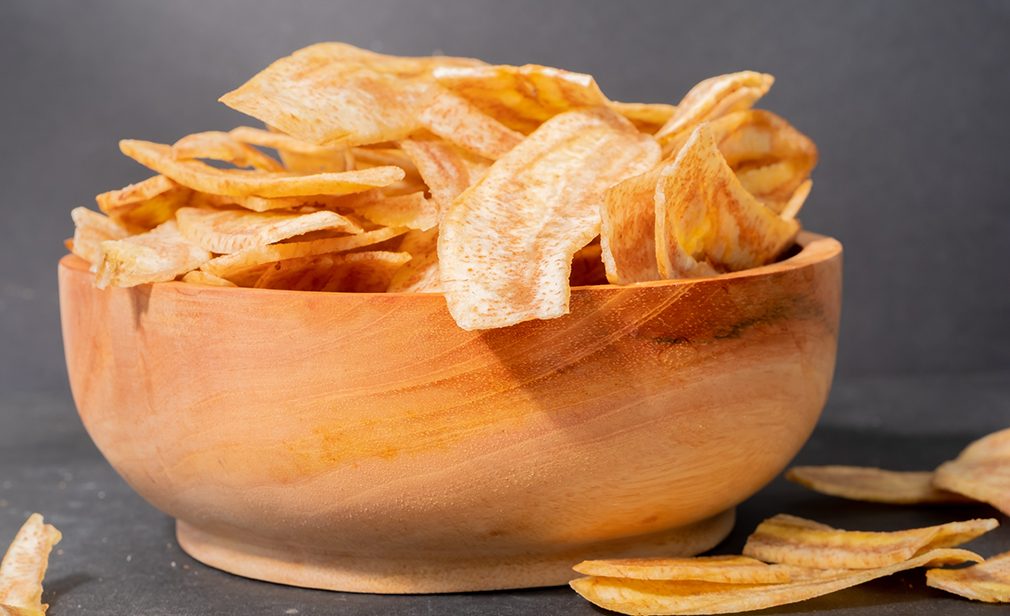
[{"x": 908, "y": 101}]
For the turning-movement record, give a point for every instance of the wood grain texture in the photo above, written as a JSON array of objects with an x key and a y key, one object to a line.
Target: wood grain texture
[{"x": 364, "y": 442}]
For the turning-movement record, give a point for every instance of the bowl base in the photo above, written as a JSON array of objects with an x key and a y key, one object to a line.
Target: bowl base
[{"x": 279, "y": 564}]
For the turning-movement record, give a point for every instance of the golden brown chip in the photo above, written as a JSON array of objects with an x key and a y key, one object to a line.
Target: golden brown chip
[
  {"x": 789, "y": 540},
  {"x": 647, "y": 117},
  {"x": 587, "y": 266},
  {"x": 521, "y": 97},
  {"x": 24, "y": 567},
  {"x": 145, "y": 205},
  {"x": 873, "y": 485},
  {"x": 690, "y": 597},
  {"x": 454, "y": 119},
  {"x": 218, "y": 145},
  {"x": 90, "y": 230},
  {"x": 628, "y": 229},
  {"x": 206, "y": 279},
  {"x": 981, "y": 472},
  {"x": 796, "y": 201},
  {"x": 446, "y": 169},
  {"x": 356, "y": 272},
  {"x": 240, "y": 183},
  {"x": 987, "y": 581},
  {"x": 265, "y": 204},
  {"x": 506, "y": 244},
  {"x": 365, "y": 157},
  {"x": 228, "y": 231},
  {"x": 284, "y": 143},
  {"x": 156, "y": 256},
  {"x": 711, "y": 99},
  {"x": 721, "y": 569},
  {"x": 413, "y": 211},
  {"x": 706, "y": 222},
  {"x": 237, "y": 266},
  {"x": 420, "y": 275},
  {"x": 332, "y": 92}
]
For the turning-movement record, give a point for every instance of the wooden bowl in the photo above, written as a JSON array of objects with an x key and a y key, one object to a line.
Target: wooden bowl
[{"x": 363, "y": 442}]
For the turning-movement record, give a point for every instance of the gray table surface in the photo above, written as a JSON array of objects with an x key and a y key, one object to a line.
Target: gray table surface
[{"x": 119, "y": 556}]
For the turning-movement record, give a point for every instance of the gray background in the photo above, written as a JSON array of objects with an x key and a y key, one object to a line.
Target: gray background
[{"x": 908, "y": 102}]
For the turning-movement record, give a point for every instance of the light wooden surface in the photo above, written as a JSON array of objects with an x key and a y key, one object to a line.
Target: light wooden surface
[{"x": 363, "y": 442}]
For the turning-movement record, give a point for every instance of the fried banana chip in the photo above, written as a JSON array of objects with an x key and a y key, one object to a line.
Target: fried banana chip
[
  {"x": 628, "y": 229},
  {"x": 688, "y": 597},
  {"x": 587, "y": 266},
  {"x": 413, "y": 211},
  {"x": 228, "y": 231},
  {"x": 298, "y": 156},
  {"x": 706, "y": 221},
  {"x": 647, "y": 117},
  {"x": 790, "y": 540},
  {"x": 873, "y": 485},
  {"x": 454, "y": 119},
  {"x": 721, "y": 569},
  {"x": 332, "y": 92},
  {"x": 356, "y": 272},
  {"x": 237, "y": 266},
  {"x": 90, "y": 230},
  {"x": 713, "y": 98},
  {"x": 446, "y": 169},
  {"x": 420, "y": 274},
  {"x": 24, "y": 567},
  {"x": 981, "y": 472},
  {"x": 206, "y": 279},
  {"x": 145, "y": 205},
  {"x": 506, "y": 244},
  {"x": 218, "y": 145},
  {"x": 236, "y": 182},
  {"x": 521, "y": 97},
  {"x": 265, "y": 204},
  {"x": 156, "y": 256},
  {"x": 796, "y": 201},
  {"x": 987, "y": 581}
]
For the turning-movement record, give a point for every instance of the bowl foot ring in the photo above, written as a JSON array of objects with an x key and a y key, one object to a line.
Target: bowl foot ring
[{"x": 436, "y": 573}]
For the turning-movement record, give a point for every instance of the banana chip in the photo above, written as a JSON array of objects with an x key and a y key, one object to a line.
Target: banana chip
[
  {"x": 721, "y": 569},
  {"x": 454, "y": 119},
  {"x": 981, "y": 472},
  {"x": 506, "y": 244},
  {"x": 24, "y": 567},
  {"x": 446, "y": 169},
  {"x": 217, "y": 145},
  {"x": 228, "y": 231},
  {"x": 421, "y": 274},
  {"x": 647, "y": 117},
  {"x": 156, "y": 256},
  {"x": 264, "y": 204},
  {"x": 796, "y": 201},
  {"x": 413, "y": 211},
  {"x": 706, "y": 222},
  {"x": 237, "y": 182},
  {"x": 521, "y": 97},
  {"x": 358, "y": 272},
  {"x": 793, "y": 541},
  {"x": 628, "y": 229},
  {"x": 90, "y": 230},
  {"x": 332, "y": 92},
  {"x": 640, "y": 597},
  {"x": 873, "y": 485},
  {"x": 145, "y": 205},
  {"x": 987, "y": 581},
  {"x": 711, "y": 99}
]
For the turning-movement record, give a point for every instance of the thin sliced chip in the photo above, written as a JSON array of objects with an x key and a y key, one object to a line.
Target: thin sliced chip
[
  {"x": 90, "y": 230},
  {"x": 24, "y": 566},
  {"x": 206, "y": 279},
  {"x": 283, "y": 143},
  {"x": 642, "y": 597},
  {"x": 628, "y": 229},
  {"x": 332, "y": 92},
  {"x": 237, "y": 182},
  {"x": 706, "y": 222},
  {"x": 647, "y": 117},
  {"x": 228, "y": 231},
  {"x": 420, "y": 275},
  {"x": 454, "y": 119},
  {"x": 156, "y": 256},
  {"x": 587, "y": 266},
  {"x": 446, "y": 169},
  {"x": 506, "y": 244},
  {"x": 145, "y": 205},
  {"x": 356, "y": 272},
  {"x": 796, "y": 201},
  {"x": 413, "y": 211},
  {"x": 987, "y": 581},
  {"x": 264, "y": 204},
  {"x": 712, "y": 98},
  {"x": 981, "y": 472},
  {"x": 521, "y": 97},
  {"x": 365, "y": 157},
  {"x": 789, "y": 540},
  {"x": 237, "y": 265},
  {"x": 873, "y": 485},
  {"x": 722, "y": 569},
  {"x": 218, "y": 145}
]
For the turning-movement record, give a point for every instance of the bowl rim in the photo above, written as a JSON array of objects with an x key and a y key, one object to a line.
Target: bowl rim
[{"x": 814, "y": 248}]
